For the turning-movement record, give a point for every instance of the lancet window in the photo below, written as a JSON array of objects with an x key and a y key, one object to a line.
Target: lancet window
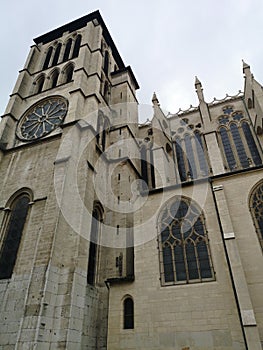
[{"x": 13, "y": 226}]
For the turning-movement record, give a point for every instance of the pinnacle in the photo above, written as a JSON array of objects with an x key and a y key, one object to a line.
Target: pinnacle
[
  {"x": 197, "y": 81},
  {"x": 155, "y": 99},
  {"x": 245, "y": 65}
]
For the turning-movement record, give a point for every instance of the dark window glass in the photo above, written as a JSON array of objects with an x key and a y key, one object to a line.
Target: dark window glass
[
  {"x": 54, "y": 78},
  {"x": 56, "y": 55},
  {"x": 76, "y": 47},
  {"x": 69, "y": 73},
  {"x": 15, "y": 225},
  {"x": 251, "y": 144},
  {"x": 227, "y": 148},
  {"x": 239, "y": 146},
  {"x": 93, "y": 247},
  {"x": 67, "y": 50},
  {"x": 40, "y": 83},
  {"x": 106, "y": 63},
  {"x": 144, "y": 168},
  {"x": 128, "y": 314},
  {"x": 184, "y": 244},
  {"x": 48, "y": 56}
]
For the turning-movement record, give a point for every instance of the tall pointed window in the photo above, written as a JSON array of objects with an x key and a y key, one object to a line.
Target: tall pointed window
[
  {"x": 39, "y": 83},
  {"x": 93, "y": 249},
  {"x": 56, "y": 55},
  {"x": 54, "y": 78},
  {"x": 256, "y": 209},
  {"x": 237, "y": 141},
  {"x": 190, "y": 152},
  {"x": 68, "y": 73},
  {"x": 106, "y": 63},
  {"x": 183, "y": 244},
  {"x": 128, "y": 313},
  {"x": 14, "y": 222},
  {"x": 48, "y": 56},
  {"x": 67, "y": 50},
  {"x": 76, "y": 47}
]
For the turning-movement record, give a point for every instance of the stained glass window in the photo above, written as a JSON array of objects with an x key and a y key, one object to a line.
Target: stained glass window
[
  {"x": 128, "y": 314},
  {"x": 184, "y": 249},
  {"x": 237, "y": 142},
  {"x": 14, "y": 229},
  {"x": 256, "y": 208}
]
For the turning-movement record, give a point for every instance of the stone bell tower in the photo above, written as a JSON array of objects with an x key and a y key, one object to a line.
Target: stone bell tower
[{"x": 58, "y": 123}]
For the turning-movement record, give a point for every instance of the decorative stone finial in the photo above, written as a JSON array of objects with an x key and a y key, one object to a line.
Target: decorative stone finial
[
  {"x": 246, "y": 67},
  {"x": 155, "y": 99}
]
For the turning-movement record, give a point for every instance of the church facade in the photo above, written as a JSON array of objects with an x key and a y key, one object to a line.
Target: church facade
[{"x": 119, "y": 235}]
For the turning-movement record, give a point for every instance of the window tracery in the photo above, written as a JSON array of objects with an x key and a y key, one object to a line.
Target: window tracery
[
  {"x": 237, "y": 142},
  {"x": 183, "y": 244},
  {"x": 190, "y": 152},
  {"x": 256, "y": 209}
]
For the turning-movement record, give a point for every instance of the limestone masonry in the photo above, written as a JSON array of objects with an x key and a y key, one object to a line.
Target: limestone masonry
[{"x": 119, "y": 235}]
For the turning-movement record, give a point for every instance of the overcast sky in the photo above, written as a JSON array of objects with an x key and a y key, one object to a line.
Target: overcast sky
[{"x": 167, "y": 43}]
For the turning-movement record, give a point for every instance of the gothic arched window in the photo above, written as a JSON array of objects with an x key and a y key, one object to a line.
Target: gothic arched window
[
  {"x": 39, "y": 83},
  {"x": 67, "y": 50},
  {"x": 76, "y": 47},
  {"x": 54, "y": 78},
  {"x": 183, "y": 243},
  {"x": 94, "y": 238},
  {"x": 256, "y": 209},
  {"x": 128, "y": 313},
  {"x": 56, "y": 55},
  {"x": 14, "y": 222},
  {"x": 68, "y": 73},
  {"x": 237, "y": 141},
  {"x": 48, "y": 56},
  {"x": 191, "y": 155}
]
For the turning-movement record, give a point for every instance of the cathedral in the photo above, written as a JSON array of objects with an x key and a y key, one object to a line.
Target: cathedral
[{"x": 119, "y": 235}]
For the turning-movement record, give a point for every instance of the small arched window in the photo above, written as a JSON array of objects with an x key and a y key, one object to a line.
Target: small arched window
[
  {"x": 67, "y": 50},
  {"x": 14, "y": 223},
  {"x": 249, "y": 103},
  {"x": 54, "y": 78},
  {"x": 94, "y": 238},
  {"x": 256, "y": 209},
  {"x": 48, "y": 56},
  {"x": 128, "y": 313},
  {"x": 39, "y": 84},
  {"x": 184, "y": 249},
  {"x": 76, "y": 47},
  {"x": 56, "y": 55},
  {"x": 69, "y": 73}
]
